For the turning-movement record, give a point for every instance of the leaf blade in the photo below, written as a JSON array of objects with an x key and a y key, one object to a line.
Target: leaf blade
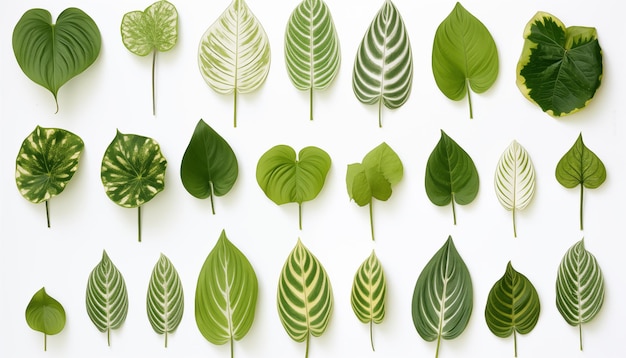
[{"x": 165, "y": 298}]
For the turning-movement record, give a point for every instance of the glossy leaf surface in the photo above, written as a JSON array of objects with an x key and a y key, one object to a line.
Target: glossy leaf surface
[
  {"x": 165, "y": 299},
  {"x": 45, "y": 314},
  {"x": 369, "y": 293}
]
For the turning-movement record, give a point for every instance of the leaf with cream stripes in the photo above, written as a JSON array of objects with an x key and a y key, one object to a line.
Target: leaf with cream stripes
[
  {"x": 165, "y": 300},
  {"x": 305, "y": 296},
  {"x": 369, "y": 292}
]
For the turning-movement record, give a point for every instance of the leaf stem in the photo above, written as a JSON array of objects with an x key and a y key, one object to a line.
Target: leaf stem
[
  {"x": 165, "y": 339},
  {"x": 232, "y": 347},
  {"x": 380, "y": 113},
  {"x": 139, "y": 223},
  {"x": 469, "y": 100},
  {"x": 372, "y": 221},
  {"x": 438, "y": 345},
  {"x": 514, "y": 225},
  {"x": 515, "y": 343},
  {"x": 300, "y": 215},
  {"x": 45, "y": 342},
  {"x": 311, "y": 103},
  {"x": 372, "y": 335},
  {"x": 154, "y": 56},
  {"x": 48, "y": 213},
  {"x": 235, "y": 108},
  {"x": 109, "y": 337},
  {"x": 580, "y": 335},
  {"x": 212, "y": 205},
  {"x": 581, "y": 206},
  {"x": 306, "y": 349},
  {"x": 453, "y": 210}
]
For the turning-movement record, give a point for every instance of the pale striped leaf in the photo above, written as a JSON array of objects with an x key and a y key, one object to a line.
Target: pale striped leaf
[
  {"x": 369, "y": 292},
  {"x": 312, "y": 49},
  {"x": 579, "y": 287},
  {"x": 515, "y": 180},
  {"x": 383, "y": 68},
  {"x": 165, "y": 300},
  {"x": 107, "y": 299}
]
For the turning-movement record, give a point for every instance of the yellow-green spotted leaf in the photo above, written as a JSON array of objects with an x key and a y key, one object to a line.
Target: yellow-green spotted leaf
[
  {"x": 45, "y": 314},
  {"x": 369, "y": 292}
]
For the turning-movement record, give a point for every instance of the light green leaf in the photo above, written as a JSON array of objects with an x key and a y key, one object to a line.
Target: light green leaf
[
  {"x": 383, "y": 68},
  {"x": 515, "y": 180},
  {"x": 451, "y": 175},
  {"x": 150, "y": 31},
  {"x": 560, "y": 67},
  {"x": 312, "y": 51},
  {"x": 209, "y": 166},
  {"x": 107, "y": 299},
  {"x": 464, "y": 56},
  {"x": 512, "y": 306},
  {"x": 373, "y": 178},
  {"x": 580, "y": 166},
  {"x": 305, "y": 296},
  {"x": 443, "y": 297},
  {"x": 285, "y": 178},
  {"x": 133, "y": 171},
  {"x": 46, "y": 163},
  {"x": 165, "y": 300},
  {"x": 579, "y": 287},
  {"x": 45, "y": 314},
  {"x": 369, "y": 292},
  {"x": 226, "y": 294},
  {"x": 52, "y": 54},
  {"x": 234, "y": 54}
]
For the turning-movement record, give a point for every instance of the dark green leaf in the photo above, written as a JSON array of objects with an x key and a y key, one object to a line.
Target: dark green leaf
[{"x": 45, "y": 314}]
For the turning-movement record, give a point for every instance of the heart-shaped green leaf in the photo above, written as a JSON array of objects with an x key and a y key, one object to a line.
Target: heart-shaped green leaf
[
  {"x": 52, "y": 54},
  {"x": 312, "y": 51},
  {"x": 285, "y": 178},
  {"x": 369, "y": 292},
  {"x": 451, "y": 175},
  {"x": 560, "y": 68},
  {"x": 234, "y": 54},
  {"x": 209, "y": 166},
  {"x": 150, "y": 31},
  {"x": 165, "y": 300},
  {"x": 383, "y": 68},
  {"x": 226, "y": 294},
  {"x": 45, "y": 314},
  {"x": 464, "y": 56},
  {"x": 579, "y": 287},
  {"x": 443, "y": 297},
  {"x": 133, "y": 171},
  {"x": 107, "y": 298},
  {"x": 380, "y": 169},
  {"x": 305, "y": 296},
  {"x": 580, "y": 166},
  {"x": 46, "y": 163},
  {"x": 515, "y": 180},
  {"x": 512, "y": 306}
]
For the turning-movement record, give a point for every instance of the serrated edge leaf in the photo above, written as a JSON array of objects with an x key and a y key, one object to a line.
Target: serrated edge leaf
[
  {"x": 165, "y": 299},
  {"x": 369, "y": 292},
  {"x": 45, "y": 314}
]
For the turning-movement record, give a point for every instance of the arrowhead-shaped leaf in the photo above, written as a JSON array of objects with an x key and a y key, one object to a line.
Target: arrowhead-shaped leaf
[
  {"x": 369, "y": 292},
  {"x": 45, "y": 314},
  {"x": 165, "y": 300}
]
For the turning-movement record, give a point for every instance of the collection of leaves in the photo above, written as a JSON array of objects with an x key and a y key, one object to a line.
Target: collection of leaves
[{"x": 560, "y": 69}]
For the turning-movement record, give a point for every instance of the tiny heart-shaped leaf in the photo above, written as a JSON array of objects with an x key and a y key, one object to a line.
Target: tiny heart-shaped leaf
[
  {"x": 369, "y": 292},
  {"x": 165, "y": 300},
  {"x": 45, "y": 314}
]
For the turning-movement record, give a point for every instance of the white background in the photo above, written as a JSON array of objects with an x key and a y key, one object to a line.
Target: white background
[{"x": 115, "y": 94}]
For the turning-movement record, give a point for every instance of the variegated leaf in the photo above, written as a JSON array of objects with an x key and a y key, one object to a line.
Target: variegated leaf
[
  {"x": 369, "y": 292},
  {"x": 165, "y": 300}
]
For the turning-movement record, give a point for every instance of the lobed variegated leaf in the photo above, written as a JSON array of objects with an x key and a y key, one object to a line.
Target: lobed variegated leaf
[
  {"x": 45, "y": 314},
  {"x": 369, "y": 292},
  {"x": 165, "y": 300}
]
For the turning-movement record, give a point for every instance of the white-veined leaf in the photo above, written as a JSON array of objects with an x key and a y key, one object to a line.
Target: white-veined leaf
[
  {"x": 165, "y": 300},
  {"x": 369, "y": 292}
]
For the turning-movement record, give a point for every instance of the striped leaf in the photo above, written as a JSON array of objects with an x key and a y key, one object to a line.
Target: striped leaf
[
  {"x": 515, "y": 180},
  {"x": 579, "y": 287},
  {"x": 45, "y": 314},
  {"x": 226, "y": 294},
  {"x": 383, "y": 68},
  {"x": 165, "y": 300},
  {"x": 443, "y": 297},
  {"x": 305, "y": 296},
  {"x": 512, "y": 306},
  {"x": 369, "y": 291},
  {"x": 312, "y": 51},
  {"x": 107, "y": 299},
  {"x": 234, "y": 53},
  {"x": 46, "y": 163}
]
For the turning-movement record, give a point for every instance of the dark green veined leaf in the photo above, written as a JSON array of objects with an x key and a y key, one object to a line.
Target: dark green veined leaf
[
  {"x": 133, "y": 171},
  {"x": 107, "y": 298},
  {"x": 383, "y": 68},
  {"x": 380, "y": 169},
  {"x": 305, "y": 296},
  {"x": 226, "y": 294},
  {"x": 451, "y": 175},
  {"x": 579, "y": 287},
  {"x": 443, "y": 297},
  {"x": 369, "y": 292},
  {"x": 209, "y": 165},
  {"x": 464, "y": 56},
  {"x": 165, "y": 300},
  {"x": 560, "y": 68},
  {"x": 52, "y": 54},
  {"x": 512, "y": 306},
  {"x": 150, "y": 31},
  {"x": 46, "y": 163},
  {"x": 580, "y": 166},
  {"x": 285, "y": 178},
  {"x": 312, "y": 51},
  {"x": 45, "y": 314}
]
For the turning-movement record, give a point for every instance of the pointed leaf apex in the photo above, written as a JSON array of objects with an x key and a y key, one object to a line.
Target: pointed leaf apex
[{"x": 105, "y": 256}]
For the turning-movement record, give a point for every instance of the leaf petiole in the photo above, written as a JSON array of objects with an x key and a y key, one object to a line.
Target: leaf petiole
[
  {"x": 515, "y": 343},
  {"x": 235, "y": 108},
  {"x": 45, "y": 342},
  {"x": 154, "y": 56},
  {"x": 48, "y": 213},
  {"x": 372, "y": 221},
  {"x": 311, "y": 103},
  {"x": 372, "y": 335},
  {"x": 582, "y": 187},
  {"x": 469, "y": 100},
  {"x": 300, "y": 215},
  {"x": 139, "y": 223}
]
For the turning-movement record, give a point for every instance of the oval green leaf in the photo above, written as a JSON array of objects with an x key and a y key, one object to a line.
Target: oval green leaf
[
  {"x": 560, "y": 67},
  {"x": 52, "y": 54},
  {"x": 383, "y": 68},
  {"x": 369, "y": 292},
  {"x": 46, "y": 162},
  {"x": 165, "y": 300},
  {"x": 45, "y": 314},
  {"x": 443, "y": 297},
  {"x": 464, "y": 56},
  {"x": 209, "y": 166},
  {"x": 234, "y": 54}
]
